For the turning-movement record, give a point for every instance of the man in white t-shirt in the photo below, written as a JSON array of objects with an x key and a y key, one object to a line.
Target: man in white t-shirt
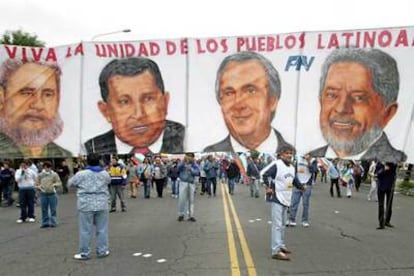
[{"x": 279, "y": 193}]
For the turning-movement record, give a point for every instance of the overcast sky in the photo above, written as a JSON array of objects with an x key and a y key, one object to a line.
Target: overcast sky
[{"x": 65, "y": 22}]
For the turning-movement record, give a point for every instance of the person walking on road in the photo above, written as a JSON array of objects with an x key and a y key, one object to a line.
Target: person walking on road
[
  {"x": 93, "y": 195},
  {"x": 118, "y": 181},
  {"x": 372, "y": 194},
  {"x": 233, "y": 173},
  {"x": 386, "y": 174},
  {"x": 279, "y": 194},
  {"x": 305, "y": 170},
  {"x": 132, "y": 178},
  {"x": 334, "y": 175},
  {"x": 187, "y": 170}
]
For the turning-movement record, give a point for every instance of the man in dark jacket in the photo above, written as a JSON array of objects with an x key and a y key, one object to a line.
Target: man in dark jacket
[
  {"x": 233, "y": 172},
  {"x": 386, "y": 175}
]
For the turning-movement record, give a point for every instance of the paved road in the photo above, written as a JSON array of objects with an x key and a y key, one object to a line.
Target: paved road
[{"x": 342, "y": 239}]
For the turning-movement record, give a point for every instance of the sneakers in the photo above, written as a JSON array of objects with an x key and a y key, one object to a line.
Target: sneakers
[
  {"x": 180, "y": 218},
  {"x": 291, "y": 223},
  {"x": 19, "y": 221},
  {"x": 281, "y": 256},
  {"x": 192, "y": 219},
  {"x": 31, "y": 220},
  {"x": 81, "y": 257},
  {"x": 103, "y": 255},
  {"x": 305, "y": 224},
  {"x": 285, "y": 251},
  {"x": 112, "y": 210}
]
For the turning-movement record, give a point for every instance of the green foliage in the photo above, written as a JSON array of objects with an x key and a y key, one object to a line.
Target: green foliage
[
  {"x": 21, "y": 38},
  {"x": 405, "y": 186}
]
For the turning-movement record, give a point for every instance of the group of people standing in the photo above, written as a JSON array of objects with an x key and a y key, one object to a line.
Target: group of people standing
[
  {"x": 287, "y": 182},
  {"x": 29, "y": 180}
]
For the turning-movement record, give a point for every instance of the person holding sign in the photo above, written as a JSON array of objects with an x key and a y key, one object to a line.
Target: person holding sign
[
  {"x": 135, "y": 102},
  {"x": 29, "y": 103},
  {"x": 358, "y": 97},
  {"x": 248, "y": 90}
]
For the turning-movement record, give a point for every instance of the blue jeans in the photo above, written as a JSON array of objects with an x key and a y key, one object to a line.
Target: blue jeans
[
  {"x": 7, "y": 193},
  {"x": 174, "y": 186},
  {"x": 278, "y": 227},
  {"x": 254, "y": 187},
  {"x": 26, "y": 200},
  {"x": 212, "y": 181},
  {"x": 296, "y": 195},
  {"x": 86, "y": 222},
  {"x": 117, "y": 190},
  {"x": 232, "y": 182},
  {"x": 48, "y": 201},
  {"x": 147, "y": 188},
  {"x": 186, "y": 199}
]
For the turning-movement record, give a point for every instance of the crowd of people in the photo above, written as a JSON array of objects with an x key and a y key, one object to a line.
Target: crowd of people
[{"x": 286, "y": 180}]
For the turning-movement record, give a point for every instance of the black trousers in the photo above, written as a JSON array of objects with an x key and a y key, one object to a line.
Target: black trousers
[
  {"x": 160, "y": 186},
  {"x": 385, "y": 218},
  {"x": 335, "y": 181},
  {"x": 358, "y": 180},
  {"x": 203, "y": 182}
]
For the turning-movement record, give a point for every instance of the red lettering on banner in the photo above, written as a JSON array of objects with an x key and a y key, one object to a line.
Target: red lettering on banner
[
  {"x": 384, "y": 39},
  {"x": 270, "y": 43},
  {"x": 369, "y": 39},
  {"x": 211, "y": 46},
  {"x": 129, "y": 50},
  {"x": 319, "y": 43},
  {"x": 347, "y": 37},
  {"x": 142, "y": 50},
  {"x": 78, "y": 50},
  {"x": 28, "y": 54},
  {"x": 68, "y": 52},
  {"x": 51, "y": 55},
  {"x": 154, "y": 48},
  {"x": 24, "y": 56},
  {"x": 301, "y": 40},
  {"x": 365, "y": 39},
  {"x": 290, "y": 41},
  {"x": 125, "y": 50},
  {"x": 37, "y": 53},
  {"x": 112, "y": 50},
  {"x": 11, "y": 52},
  {"x": 170, "y": 47},
  {"x": 184, "y": 46},
  {"x": 278, "y": 43},
  {"x": 402, "y": 39},
  {"x": 333, "y": 42}
]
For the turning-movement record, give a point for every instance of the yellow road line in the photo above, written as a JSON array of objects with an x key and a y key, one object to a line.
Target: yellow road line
[
  {"x": 251, "y": 268},
  {"x": 234, "y": 262}
]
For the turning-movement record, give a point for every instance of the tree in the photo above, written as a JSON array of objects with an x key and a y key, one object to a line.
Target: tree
[{"x": 21, "y": 38}]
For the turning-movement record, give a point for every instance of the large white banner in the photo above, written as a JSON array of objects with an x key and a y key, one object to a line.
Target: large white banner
[{"x": 345, "y": 94}]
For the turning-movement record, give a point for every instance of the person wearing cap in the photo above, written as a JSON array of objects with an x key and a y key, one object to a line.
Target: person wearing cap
[
  {"x": 279, "y": 194},
  {"x": 187, "y": 170}
]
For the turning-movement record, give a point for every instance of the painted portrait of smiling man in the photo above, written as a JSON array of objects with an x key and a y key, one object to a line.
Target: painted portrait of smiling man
[
  {"x": 29, "y": 109},
  {"x": 248, "y": 89},
  {"x": 358, "y": 98},
  {"x": 135, "y": 103}
]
